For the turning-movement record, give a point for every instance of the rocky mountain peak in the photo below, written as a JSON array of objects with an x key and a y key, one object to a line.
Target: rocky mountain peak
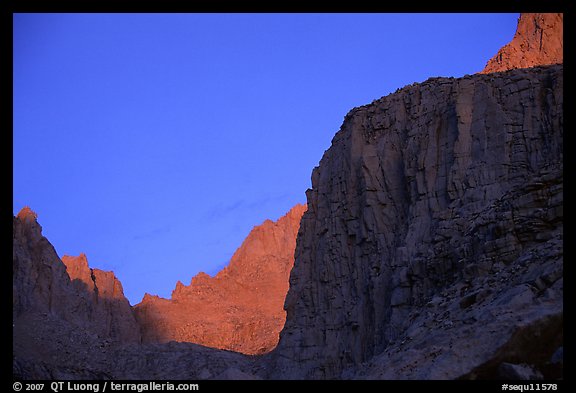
[
  {"x": 26, "y": 214},
  {"x": 241, "y": 307},
  {"x": 76, "y": 264},
  {"x": 104, "y": 284},
  {"x": 539, "y": 40}
]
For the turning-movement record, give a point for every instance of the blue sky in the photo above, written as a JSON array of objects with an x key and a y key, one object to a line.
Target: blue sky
[{"x": 155, "y": 142}]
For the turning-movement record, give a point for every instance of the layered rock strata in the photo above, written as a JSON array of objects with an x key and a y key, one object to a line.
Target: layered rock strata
[{"x": 241, "y": 307}]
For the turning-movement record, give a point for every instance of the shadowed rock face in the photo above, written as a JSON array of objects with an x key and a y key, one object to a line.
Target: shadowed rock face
[
  {"x": 109, "y": 309},
  {"x": 539, "y": 40},
  {"x": 432, "y": 244},
  {"x": 73, "y": 322},
  {"x": 63, "y": 319},
  {"x": 433, "y": 234},
  {"x": 241, "y": 308},
  {"x": 40, "y": 282}
]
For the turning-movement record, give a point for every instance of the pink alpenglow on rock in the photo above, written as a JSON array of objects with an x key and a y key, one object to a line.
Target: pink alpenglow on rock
[
  {"x": 539, "y": 40},
  {"x": 242, "y": 307}
]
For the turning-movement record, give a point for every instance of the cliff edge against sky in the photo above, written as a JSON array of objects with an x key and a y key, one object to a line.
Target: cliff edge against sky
[{"x": 433, "y": 235}]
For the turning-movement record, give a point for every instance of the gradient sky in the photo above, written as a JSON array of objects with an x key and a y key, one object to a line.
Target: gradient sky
[{"x": 155, "y": 142}]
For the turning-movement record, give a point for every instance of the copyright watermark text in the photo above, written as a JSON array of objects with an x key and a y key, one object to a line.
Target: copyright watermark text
[{"x": 98, "y": 387}]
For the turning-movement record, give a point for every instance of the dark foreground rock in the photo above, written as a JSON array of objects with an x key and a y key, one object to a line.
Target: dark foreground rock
[{"x": 432, "y": 245}]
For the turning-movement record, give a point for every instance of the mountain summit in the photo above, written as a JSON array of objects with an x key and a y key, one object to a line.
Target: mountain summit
[
  {"x": 539, "y": 40},
  {"x": 241, "y": 308}
]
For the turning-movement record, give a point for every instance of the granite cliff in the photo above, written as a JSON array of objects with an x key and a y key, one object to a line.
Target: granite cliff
[
  {"x": 432, "y": 247},
  {"x": 240, "y": 308},
  {"x": 432, "y": 243}
]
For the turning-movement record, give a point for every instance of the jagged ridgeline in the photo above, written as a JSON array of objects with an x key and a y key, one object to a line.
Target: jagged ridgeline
[{"x": 241, "y": 308}]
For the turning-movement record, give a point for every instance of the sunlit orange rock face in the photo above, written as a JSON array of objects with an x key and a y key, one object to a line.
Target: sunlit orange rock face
[
  {"x": 539, "y": 40},
  {"x": 242, "y": 307}
]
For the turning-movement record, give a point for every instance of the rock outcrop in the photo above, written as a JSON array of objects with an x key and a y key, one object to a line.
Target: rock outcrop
[
  {"x": 57, "y": 318},
  {"x": 432, "y": 243},
  {"x": 40, "y": 283},
  {"x": 108, "y": 309},
  {"x": 71, "y": 322},
  {"x": 241, "y": 307},
  {"x": 539, "y": 40}
]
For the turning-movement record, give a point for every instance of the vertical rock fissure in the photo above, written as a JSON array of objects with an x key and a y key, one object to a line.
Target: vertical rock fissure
[{"x": 93, "y": 277}]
